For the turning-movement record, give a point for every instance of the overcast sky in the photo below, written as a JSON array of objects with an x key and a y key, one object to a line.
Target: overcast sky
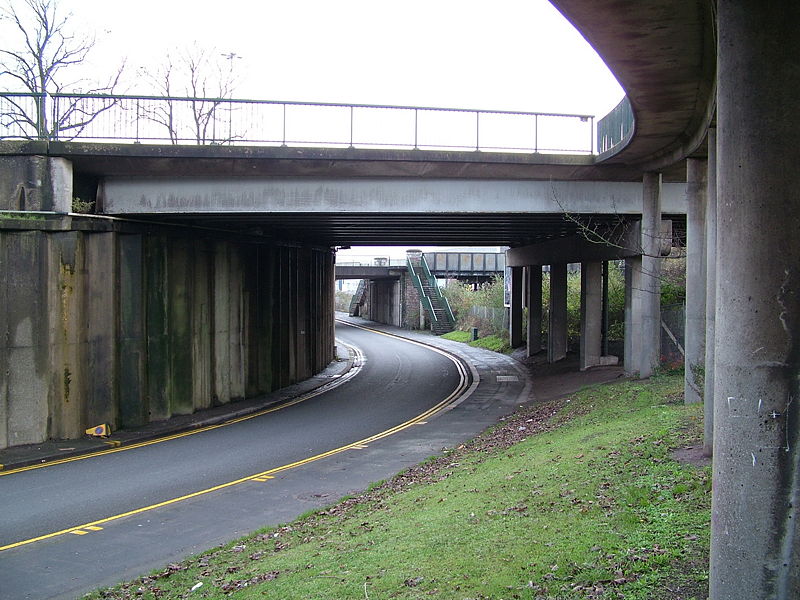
[{"x": 505, "y": 54}]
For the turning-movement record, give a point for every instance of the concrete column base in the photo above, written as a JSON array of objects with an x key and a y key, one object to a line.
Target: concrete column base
[{"x": 557, "y": 327}]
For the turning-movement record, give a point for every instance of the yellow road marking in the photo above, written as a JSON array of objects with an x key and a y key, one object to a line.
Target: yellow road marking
[
  {"x": 462, "y": 385},
  {"x": 119, "y": 448}
]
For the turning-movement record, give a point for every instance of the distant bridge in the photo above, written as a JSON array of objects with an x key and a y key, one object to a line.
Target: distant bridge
[{"x": 472, "y": 266}]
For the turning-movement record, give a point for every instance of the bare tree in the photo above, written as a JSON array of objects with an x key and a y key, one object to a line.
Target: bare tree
[
  {"x": 37, "y": 62},
  {"x": 205, "y": 84}
]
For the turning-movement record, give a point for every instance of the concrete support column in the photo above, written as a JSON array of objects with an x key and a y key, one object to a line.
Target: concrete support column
[
  {"x": 755, "y": 532},
  {"x": 557, "y": 327},
  {"x": 515, "y": 312},
  {"x": 534, "y": 296},
  {"x": 650, "y": 289},
  {"x": 591, "y": 314},
  {"x": 695, "y": 316},
  {"x": 711, "y": 291},
  {"x": 633, "y": 315}
]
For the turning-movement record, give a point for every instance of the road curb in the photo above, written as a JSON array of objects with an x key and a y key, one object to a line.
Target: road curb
[{"x": 20, "y": 457}]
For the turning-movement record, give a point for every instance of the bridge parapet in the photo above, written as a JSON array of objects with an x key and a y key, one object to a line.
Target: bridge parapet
[{"x": 176, "y": 120}]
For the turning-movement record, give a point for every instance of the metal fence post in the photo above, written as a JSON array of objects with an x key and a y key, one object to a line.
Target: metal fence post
[
  {"x": 284, "y": 123},
  {"x": 416, "y": 129}
]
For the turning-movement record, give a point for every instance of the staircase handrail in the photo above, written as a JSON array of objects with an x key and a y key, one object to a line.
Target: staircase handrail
[
  {"x": 437, "y": 291},
  {"x": 415, "y": 279}
]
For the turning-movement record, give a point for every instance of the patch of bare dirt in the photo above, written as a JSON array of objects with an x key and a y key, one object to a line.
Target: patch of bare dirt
[{"x": 692, "y": 455}]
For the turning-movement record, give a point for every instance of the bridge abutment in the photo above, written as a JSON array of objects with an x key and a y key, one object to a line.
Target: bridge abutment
[{"x": 119, "y": 323}]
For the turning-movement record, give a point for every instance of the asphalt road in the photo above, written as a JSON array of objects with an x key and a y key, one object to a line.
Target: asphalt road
[{"x": 88, "y": 513}]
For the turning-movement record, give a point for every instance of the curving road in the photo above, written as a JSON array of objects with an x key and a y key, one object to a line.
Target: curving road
[{"x": 69, "y": 528}]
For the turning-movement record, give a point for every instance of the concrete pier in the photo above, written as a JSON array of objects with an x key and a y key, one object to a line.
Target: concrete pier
[
  {"x": 650, "y": 283},
  {"x": 515, "y": 312},
  {"x": 591, "y": 314},
  {"x": 557, "y": 326},
  {"x": 695, "y": 318},
  {"x": 533, "y": 275},
  {"x": 755, "y": 535},
  {"x": 633, "y": 315},
  {"x": 711, "y": 294}
]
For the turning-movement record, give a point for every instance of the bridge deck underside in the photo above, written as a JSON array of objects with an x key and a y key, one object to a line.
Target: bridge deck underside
[{"x": 363, "y": 229}]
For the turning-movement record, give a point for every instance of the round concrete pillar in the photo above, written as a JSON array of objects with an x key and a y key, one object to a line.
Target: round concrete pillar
[
  {"x": 695, "y": 320},
  {"x": 651, "y": 275},
  {"x": 711, "y": 294},
  {"x": 755, "y": 546}
]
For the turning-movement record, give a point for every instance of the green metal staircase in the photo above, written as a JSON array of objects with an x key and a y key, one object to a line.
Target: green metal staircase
[{"x": 436, "y": 306}]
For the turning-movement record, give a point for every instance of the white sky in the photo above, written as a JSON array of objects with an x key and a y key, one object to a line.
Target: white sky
[{"x": 504, "y": 55}]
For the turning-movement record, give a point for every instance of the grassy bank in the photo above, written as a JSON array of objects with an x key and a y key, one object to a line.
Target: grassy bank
[
  {"x": 579, "y": 498},
  {"x": 495, "y": 343}
]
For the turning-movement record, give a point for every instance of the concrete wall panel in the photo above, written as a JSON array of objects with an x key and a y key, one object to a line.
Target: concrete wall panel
[
  {"x": 237, "y": 335},
  {"x": 221, "y": 325},
  {"x": 133, "y": 406},
  {"x": 157, "y": 338},
  {"x": 201, "y": 339},
  {"x": 180, "y": 276},
  {"x": 69, "y": 374},
  {"x": 100, "y": 301},
  {"x": 27, "y": 373}
]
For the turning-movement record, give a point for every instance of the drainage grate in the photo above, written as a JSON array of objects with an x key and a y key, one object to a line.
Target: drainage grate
[{"x": 504, "y": 378}]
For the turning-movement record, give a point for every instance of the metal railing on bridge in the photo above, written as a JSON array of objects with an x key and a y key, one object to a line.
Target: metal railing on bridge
[
  {"x": 615, "y": 129},
  {"x": 225, "y": 121},
  {"x": 370, "y": 261}
]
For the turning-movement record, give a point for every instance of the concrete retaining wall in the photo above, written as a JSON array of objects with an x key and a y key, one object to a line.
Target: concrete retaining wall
[{"x": 104, "y": 322}]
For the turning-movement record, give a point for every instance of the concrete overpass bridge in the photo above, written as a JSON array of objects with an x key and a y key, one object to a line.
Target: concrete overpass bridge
[{"x": 712, "y": 88}]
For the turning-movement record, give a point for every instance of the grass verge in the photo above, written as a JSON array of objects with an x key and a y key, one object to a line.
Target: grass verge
[
  {"x": 578, "y": 498},
  {"x": 458, "y": 336},
  {"x": 495, "y": 343}
]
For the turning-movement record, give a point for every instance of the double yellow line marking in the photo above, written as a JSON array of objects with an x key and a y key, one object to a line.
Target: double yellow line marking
[
  {"x": 117, "y": 447},
  {"x": 420, "y": 419}
]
